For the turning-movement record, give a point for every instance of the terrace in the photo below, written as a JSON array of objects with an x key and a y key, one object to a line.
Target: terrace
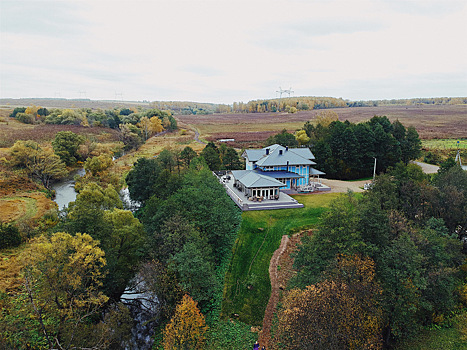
[{"x": 245, "y": 202}]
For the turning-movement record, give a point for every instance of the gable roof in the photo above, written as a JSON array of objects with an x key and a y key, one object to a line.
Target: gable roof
[
  {"x": 250, "y": 178},
  {"x": 279, "y": 156}
]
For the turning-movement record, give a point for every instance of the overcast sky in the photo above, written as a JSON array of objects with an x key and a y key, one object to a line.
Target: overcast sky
[{"x": 228, "y": 50}]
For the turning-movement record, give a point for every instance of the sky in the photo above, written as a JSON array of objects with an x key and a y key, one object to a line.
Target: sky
[{"x": 225, "y": 51}]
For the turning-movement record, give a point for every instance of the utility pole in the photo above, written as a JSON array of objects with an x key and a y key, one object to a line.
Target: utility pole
[{"x": 374, "y": 170}]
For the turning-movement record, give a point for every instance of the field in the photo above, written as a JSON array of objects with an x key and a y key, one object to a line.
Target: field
[
  {"x": 431, "y": 122},
  {"x": 449, "y": 144}
]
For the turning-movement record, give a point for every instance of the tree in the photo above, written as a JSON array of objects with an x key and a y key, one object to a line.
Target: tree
[
  {"x": 342, "y": 312},
  {"x": 129, "y": 135},
  {"x": 9, "y": 236},
  {"x": 230, "y": 160},
  {"x": 186, "y": 330},
  {"x": 284, "y": 138},
  {"x": 187, "y": 155},
  {"x": 325, "y": 118},
  {"x": 66, "y": 144},
  {"x": 142, "y": 177},
  {"x": 210, "y": 153},
  {"x": 47, "y": 166},
  {"x": 150, "y": 126},
  {"x": 86, "y": 213},
  {"x": 302, "y": 137},
  {"x": 62, "y": 280},
  {"x": 122, "y": 240},
  {"x": 40, "y": 163},
  {"x": 96, "y": 165}
]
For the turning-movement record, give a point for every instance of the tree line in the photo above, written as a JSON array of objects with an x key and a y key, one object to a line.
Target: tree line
[
  {"x": 345, "y": 150},
  {"x": 135, "y": 126},
  {"x": 382, "y": 266}
]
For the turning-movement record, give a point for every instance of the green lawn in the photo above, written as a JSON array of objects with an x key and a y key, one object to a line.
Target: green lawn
[
  {"x": 247, "y": 287},
  {"x": 444, "y": 144}
]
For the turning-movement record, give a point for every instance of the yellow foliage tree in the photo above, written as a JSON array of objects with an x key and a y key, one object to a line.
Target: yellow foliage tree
[
  {"x": 62, "y": 279},
  {"x": 187, "y": 328},
  {"x": 302, "y": 137},
  {"x": 150, "y": 126},
  {"x": 326, "y": 117}
]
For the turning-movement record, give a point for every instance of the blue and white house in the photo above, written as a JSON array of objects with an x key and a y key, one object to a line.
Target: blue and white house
[{"x": 275, "y": 167}]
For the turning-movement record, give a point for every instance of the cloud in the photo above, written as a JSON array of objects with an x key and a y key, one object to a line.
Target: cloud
[{"x": 225, "y": 51}]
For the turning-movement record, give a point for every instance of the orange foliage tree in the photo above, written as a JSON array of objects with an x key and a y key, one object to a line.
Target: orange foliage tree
[
  {"x": 342, "y": 312},
  {"x": 187, "y": 328}
]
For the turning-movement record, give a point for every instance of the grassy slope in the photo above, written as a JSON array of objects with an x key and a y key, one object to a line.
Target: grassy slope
[
  {"x": 247, "y": 285},
  {"x": 454, "y": 338}
]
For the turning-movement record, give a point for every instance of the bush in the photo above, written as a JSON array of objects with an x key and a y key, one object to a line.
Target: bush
[
  {"x": 25, "y": 118},
  {"x": 9, "y": 236}
]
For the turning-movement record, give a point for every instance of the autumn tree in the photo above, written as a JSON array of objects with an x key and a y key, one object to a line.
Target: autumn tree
[
  {"x": 302, "y": 137},
  {"x": 150, "y": 126},
  {"x": 96, "y": 165},
  {"x": 62, "y": 280},
  {"x": 40, "y": 163},
  {"x": 187, "y": 328},
  {"x": 341, "y": 312},
  {"x": 325, "y": 118}
]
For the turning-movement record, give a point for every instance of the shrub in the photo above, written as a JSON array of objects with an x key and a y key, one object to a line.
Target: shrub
[{"x": 9, "y": 236}]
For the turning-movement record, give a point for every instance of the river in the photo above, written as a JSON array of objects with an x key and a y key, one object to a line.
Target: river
[{"x": 65, "y": 189}]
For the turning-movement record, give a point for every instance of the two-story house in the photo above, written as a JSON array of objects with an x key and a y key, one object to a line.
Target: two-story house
[{"x": 275, "y": 167}]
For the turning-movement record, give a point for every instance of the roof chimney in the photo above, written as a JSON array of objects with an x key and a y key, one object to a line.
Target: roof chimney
[
  {"x": 286, "y": 148},
  {"x": 280, "y": 152},
  {"x": 267, "y": 151}
]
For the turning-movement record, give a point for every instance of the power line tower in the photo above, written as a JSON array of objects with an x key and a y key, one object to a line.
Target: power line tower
[
  {"x": 82, "y": 94},
  {"x": 280, "y": 92},
  {"x": 119, "y": 94}
]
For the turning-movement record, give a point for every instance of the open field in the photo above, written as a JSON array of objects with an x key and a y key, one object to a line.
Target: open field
[
  {"x": 12, "y": 130},
  {"x": 24, "y": 206},
  {"x": 69, "y": 103},
  {"x": 247, "y": 286},
  {"x": 431, "y": 121},
  {"x": 452, "y": 144}
]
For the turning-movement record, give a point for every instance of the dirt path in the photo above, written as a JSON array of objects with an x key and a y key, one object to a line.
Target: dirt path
[{"x": 280, "y": 271}]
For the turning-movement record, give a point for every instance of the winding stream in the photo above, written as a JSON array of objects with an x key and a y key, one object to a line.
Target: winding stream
[
  {"x": 65, "y": 189},
  {"x": 143, "y": 304}
]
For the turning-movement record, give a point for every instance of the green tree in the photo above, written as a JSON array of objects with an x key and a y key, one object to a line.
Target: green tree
[
  {"x": 230, "y": 160},
  {"x": 284, "y": 138},
  {"x": 9, "y": 236},
  {"x": 66, "y": 144},
  {"x": 98, "y": 164},
  {"x": 210, "y": 153},
  {"x": 142, "y": 178},
  {"x": 122, "y": 240},
  {"x": 187, "y": 155}
]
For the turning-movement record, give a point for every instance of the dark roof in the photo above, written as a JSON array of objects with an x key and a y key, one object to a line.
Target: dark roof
[
  {"x": 280, "y": 156},
  {"x": 250, "y": 178},
  {"x": 279, "y": 174}
]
